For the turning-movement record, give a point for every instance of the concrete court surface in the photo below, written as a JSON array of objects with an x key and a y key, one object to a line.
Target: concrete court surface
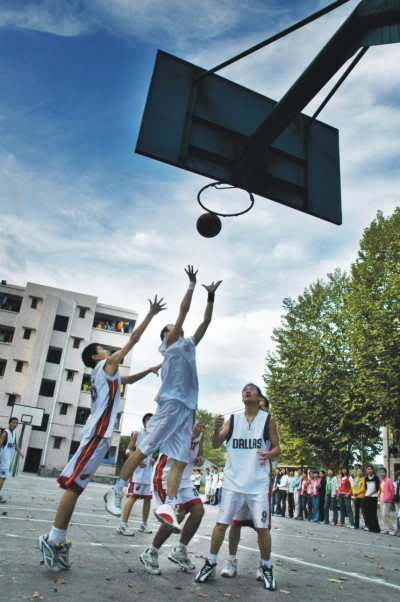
[{"x": 311, "y": 562}]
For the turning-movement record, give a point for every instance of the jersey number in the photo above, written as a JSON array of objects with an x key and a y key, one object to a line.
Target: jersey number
[{"x": 264, "y": 516}]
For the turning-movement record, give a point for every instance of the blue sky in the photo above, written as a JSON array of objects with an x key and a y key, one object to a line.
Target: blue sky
[{"x": 80, "y": 210}]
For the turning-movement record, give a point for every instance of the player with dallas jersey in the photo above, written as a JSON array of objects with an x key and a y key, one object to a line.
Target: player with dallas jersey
[{"x": 252, "y": 441}]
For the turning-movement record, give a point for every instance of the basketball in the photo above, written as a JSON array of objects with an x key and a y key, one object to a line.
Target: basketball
[{"x": 208, "y": 225}]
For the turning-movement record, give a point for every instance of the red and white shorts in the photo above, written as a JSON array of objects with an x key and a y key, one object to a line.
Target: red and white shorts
[
  {"x": 139, "y": 491},
  {"x": 245, "y": 509},
  {"x": 84, "y": 463},
  {"x": 187, "y": 498}
]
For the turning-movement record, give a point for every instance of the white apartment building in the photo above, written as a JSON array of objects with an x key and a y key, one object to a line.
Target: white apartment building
[{"x": 43, "y": 331}]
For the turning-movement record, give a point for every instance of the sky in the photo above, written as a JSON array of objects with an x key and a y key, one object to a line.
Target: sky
[{"x": 81, "y": 211}]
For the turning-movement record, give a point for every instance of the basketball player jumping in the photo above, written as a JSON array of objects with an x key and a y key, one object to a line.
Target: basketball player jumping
[
  {"x": 171, "y": 425},
  {"x": 95, "y": 437},
  {"x": 251, "y": 442}
]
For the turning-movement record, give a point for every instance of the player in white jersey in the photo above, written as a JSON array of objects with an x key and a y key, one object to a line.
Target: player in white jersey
[
  {"x": 95, "y": 438},
  {"x": 251, "y": 442},
  {"x": 8, "y": 445},
  {"x": 189, "y": 502},
  {"x": 171, "y": 425},
  {"x": 139, "y": 484}
]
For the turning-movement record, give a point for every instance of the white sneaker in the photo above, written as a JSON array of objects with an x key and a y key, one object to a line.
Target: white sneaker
[
  {"x": 150, "y": 561},
  {"x": 144, "y": 528},
  {"x": 123, "y": 530},
  {"x": 230, "y": 569},
  {"x": 392, "y": 532},
  {"x": 259, "y": 573},
  {"x": 166, "y": 514},
  {"x": 181, "y": 557},
  {"x": 113, "y": 501},
  {"x": 50, "y": 554}
]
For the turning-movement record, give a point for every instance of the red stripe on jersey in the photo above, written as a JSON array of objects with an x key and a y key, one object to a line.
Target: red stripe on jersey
[
  {"x": 158, "y": 475},
  {"x": 82, "y": 460},
  {"x": 104, "y": 421}
]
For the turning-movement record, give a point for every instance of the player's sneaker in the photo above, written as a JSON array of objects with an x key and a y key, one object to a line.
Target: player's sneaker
[
  {"x": 50, "y": 554},
  {"x": 124, "y": 530},
  {"x": 181, "y": 557},
  {"x": 268, "y": 578},
  {"x": 166, "y": 514},
  {"x": 259, "y": 572},
  {"x": 150, "y": 561},
  {"x": 144, "y": 528},
  {"x": 230, "y": 569},
  {"x": 206, "y": 572},
  {"x": 113, "y": 501},
  {"x": 63, "y": 555}
]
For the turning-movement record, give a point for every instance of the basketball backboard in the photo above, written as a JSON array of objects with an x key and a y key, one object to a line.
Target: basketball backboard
[
  {"x": 202, "y": 126},
  {"x": 27, "y": 414}
]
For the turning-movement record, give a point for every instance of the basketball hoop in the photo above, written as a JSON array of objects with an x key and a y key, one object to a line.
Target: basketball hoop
[{"x": 223, "y": 186}]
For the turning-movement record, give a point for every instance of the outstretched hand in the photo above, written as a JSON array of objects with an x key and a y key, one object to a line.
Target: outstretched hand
[
  {"x": 157, "y": 306},
  {"x": 211, "y": 288},
  {"x": 191, "y": 273}
]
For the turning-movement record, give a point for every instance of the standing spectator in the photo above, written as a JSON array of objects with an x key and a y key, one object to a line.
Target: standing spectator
[
  {"x": 214, "y": 481},
  {"x": 291, "y": 494},
  {"x": 296, "y": 493},
  {"x": 303, "y": 495},
  {"x": 332, "y": 487},
  {"x": 310, "y": 487},
  {"x": 197, "y": 479},
  {"x": 321, "y": 495},
  {"x": 372, "y": 484},
  {"x": 207, "y": 486},
  {"x": 120, "y": 326},
  {"x": 386, "y": 497},
  {"x": 345, "y": 488},
  {"x": 283, "y": 491},
  {"x": 397, "y": 499},
  {"x": 219, "y": 484},
  {"x": 276, "y": 506},
  {"x": 315, "y": 496},
  {"x": 358, "y": 496}
]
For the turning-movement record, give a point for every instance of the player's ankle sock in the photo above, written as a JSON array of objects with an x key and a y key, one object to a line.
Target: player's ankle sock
[
  {"x": 57, "y": 536},
  {"x": 124, "y": 524},
  {"x": 171, "y": 500},
  {"x": 119, "y": 485},
  {"x": 153, "y": 549},
  {"x": 232, "y": 556},
  {"x": 212, "y": 558},
  {"x": 266, "y": 563},
  {"x": 181, "y": 547}
]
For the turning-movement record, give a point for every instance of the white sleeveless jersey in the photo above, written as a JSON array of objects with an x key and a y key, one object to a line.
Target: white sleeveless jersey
[
  {"x": 179, "y": 373},
  {"x": 106, "y": 392},
  {"x": 7, "y": 452},
  {"x": 163, "y": 466},
  {"x": 142, "y": 475},
  {"x": 243, "y": 472}
]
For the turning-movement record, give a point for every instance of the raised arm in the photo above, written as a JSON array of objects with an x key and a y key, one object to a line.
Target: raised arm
[
  {"x": 175, "y": 332},
  {"x": 133, "y": 378},
  {"x": 111, "y": 365},
  {"x": 201, "y": 330},
  {"x": 132, "y": 443},
  {"x": 220, "y": 432}
]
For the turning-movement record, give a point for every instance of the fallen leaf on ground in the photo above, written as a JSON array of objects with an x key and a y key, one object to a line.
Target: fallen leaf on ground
[
  {"x": 37, "y": 596},
  {"x": 28, "y": 516},
  {"x": 60, "y": 581},
  {"x": 379, "y": 574},
  {"x": 136, "y": 591},
  {"x": 131, "y": 571},
  {"x": 31, "y": 529},
  {"x": 322, "y": 555},
  {"x": 339, "y": 580},
  {"x": 202, "y": 595},
  {"x": 228, "y": 595},
  {"x": 368, "y": 556},
  {"x": 294, "y": 570},
  {"x": 127, "y": 551},
  {"x": 284, "y": 591},
  {"x": 380, "y": 565}
]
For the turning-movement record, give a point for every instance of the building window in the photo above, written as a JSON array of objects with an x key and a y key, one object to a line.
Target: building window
[
  {"x": 57, "y": 442},
  {"x": 27, "y": 333},
  {"x": 70, "y": 375},
  {"x": 19, "y": 365},
  {"x": 109, "y": 458},
  {"x": 86, "y": 382},
  {"x": 12, "y": 399},
  {"x": 54, "y": 355},
  {"x": 64, "y": 409},
  {"x": 47, "y": 387},
  {"x": 43, "y": 426},
  {"x": 82, "y": 311},
  {"x": 34, "y": 302},
  {"x": 6, "y": 334},
  {"x": 10, "y": 302},
  {"x": 82, "y": 415},
  {"x": 73, "y": 449},
  {"x": 3, "y": 364},
  {"x": 117, "y": 422},
  {"x": 61, "y": 323},
  {"x": 76, "y": 342}
]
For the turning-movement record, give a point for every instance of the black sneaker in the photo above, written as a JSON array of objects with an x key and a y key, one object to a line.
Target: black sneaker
[
  {"x": 206, "y": 572},
  {"x": 268, "y": 578}
]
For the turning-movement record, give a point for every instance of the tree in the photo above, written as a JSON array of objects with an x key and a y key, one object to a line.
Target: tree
[
  {"x": 123, "y": 444},
  {"x": 323, "y": 415},
  {"x": 218, "y": 456}
]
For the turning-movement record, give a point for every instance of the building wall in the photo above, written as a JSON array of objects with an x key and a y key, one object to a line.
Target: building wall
[{"x": 33, "y": 352}]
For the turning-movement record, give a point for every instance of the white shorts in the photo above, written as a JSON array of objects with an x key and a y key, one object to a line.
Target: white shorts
[
  {"x": 83, "y": 464},
  {"x": 170, "y": 431},
  {"x": 238, "y": 507},
  {"x": 139, "y": 491},
  {"x": 4, "y": 472},
  {"x": 187, "y": 497}
]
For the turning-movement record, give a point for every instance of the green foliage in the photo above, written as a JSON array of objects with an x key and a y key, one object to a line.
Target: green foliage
[
  {"x": 123, "y": 444},
  {"x": 218, "y": 456}
]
